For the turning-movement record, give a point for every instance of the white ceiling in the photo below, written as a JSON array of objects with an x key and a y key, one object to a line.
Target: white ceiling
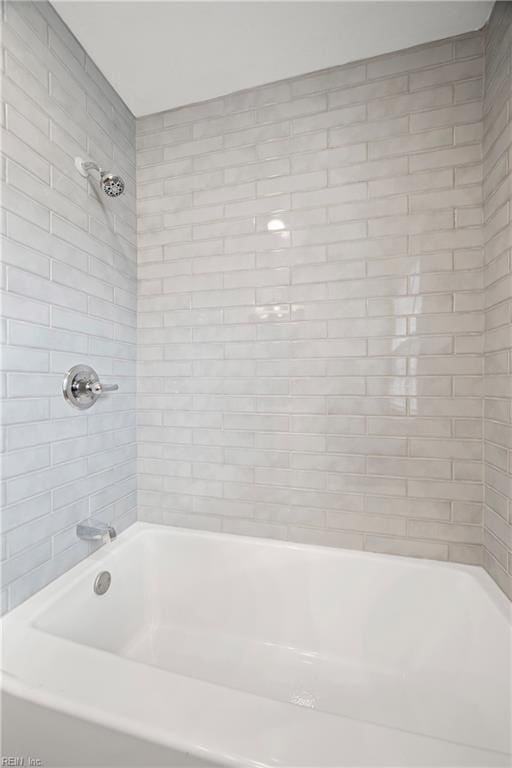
[{"x": 160, "y": 55}]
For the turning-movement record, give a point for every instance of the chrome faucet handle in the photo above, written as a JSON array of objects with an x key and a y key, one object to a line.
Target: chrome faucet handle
[
  {"x": 81, "y": 386},
  {"x": 99, "y": 388}
]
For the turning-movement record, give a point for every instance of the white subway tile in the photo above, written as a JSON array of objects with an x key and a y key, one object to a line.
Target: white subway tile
[
  {"x": 312, "y": 375},
  {"x": 58, "y": 297},
  {"x": 404, "y": 61}
]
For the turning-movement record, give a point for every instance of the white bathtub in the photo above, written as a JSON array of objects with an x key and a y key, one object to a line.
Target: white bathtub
[{"x": 216, "y": 649}]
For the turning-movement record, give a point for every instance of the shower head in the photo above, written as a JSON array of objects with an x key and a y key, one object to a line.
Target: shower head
[{"x": 111, "y": 184}]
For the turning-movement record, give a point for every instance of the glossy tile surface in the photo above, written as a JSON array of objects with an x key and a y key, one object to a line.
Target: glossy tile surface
[
  {"x": 310, "y": 308},
  {"x": 69, "y": 282},
  {"x": 497, "y": 412}
]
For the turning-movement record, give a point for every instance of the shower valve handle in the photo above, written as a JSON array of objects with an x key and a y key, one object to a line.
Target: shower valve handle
[
  {"x": 81, "y": 386},
  {"x": 100, "y": 388}
]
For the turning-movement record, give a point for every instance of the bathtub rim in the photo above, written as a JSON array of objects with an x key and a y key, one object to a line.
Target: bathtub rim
[{"x": 407, "y": 745}]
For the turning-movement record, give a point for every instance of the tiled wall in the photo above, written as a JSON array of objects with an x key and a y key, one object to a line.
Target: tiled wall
[
  {"x": 498, "y": 298},
  {"x": 310, "y": 317},
  {"x": 311, "y": 313},
  {"x": 70, "y": 279}
]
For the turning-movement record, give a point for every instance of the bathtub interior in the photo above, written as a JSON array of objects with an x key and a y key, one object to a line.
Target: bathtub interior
[{"x": 408, "y": 644}]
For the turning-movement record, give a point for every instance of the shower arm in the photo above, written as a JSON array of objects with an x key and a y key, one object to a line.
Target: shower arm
[
  {"x": 92, "y": 166},
  {"x": 85, "y": 166}
]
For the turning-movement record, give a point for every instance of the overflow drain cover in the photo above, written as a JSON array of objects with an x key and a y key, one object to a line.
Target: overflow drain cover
[{"x": 102, "y": 582}]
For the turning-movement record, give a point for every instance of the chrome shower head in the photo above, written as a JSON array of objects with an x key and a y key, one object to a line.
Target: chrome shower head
[{"x": 111, "y": 184}]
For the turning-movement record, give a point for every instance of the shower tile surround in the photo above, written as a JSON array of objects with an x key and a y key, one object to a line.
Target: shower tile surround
[
  {"x": 317, "y": 288},
  {"x": 497, "y": 280},
  {"x": 69, "y": 280},
  {"x": 311, "y": 302}
]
